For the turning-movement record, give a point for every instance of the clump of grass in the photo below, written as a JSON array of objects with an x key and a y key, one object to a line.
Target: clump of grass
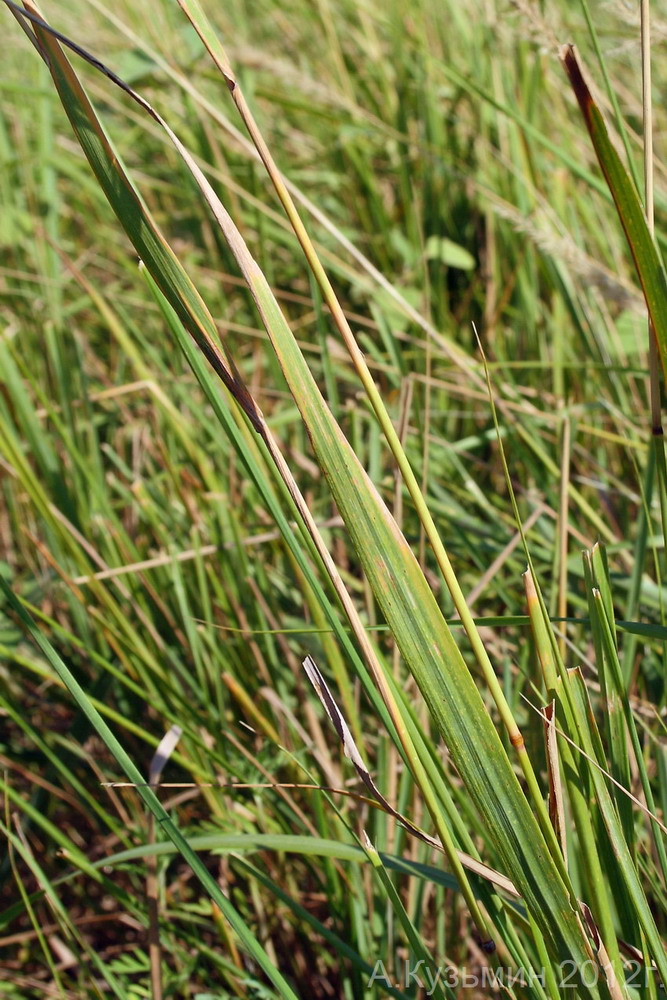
[{"x": 167, "y": 527}]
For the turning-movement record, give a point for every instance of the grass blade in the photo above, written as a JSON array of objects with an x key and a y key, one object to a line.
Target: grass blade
[{"x": 648, "y": 260}]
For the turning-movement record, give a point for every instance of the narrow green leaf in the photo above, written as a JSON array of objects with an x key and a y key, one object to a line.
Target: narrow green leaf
[
  {"x": 647, "y": 258},
  {"x": 428, "y": 648}
]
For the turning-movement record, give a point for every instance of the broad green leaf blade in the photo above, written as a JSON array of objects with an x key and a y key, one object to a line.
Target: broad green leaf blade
[
  {"x": 647, "y": 258},
  {"x": 432, "y": 656}
]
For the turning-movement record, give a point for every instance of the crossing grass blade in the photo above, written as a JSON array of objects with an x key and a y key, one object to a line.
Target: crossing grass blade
[{"x": 398, "y": 582}]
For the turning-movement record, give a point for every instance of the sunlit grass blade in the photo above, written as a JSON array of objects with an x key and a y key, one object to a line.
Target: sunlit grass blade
[{"x": 404, "y": 738}]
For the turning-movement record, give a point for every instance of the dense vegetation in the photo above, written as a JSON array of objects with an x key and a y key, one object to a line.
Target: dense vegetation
[{"x": 441, "y": 164}]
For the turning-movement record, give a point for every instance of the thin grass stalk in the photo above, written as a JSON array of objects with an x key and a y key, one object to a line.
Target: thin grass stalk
[
  {"x": 594, "y": 575},
  {"x": 15, "y": 846},
  {"x": 411, "y": 932},
  {"x": 563, "y": 528},
  {"x": 160, "y": 757},
  {"x": 611, "y": 93},
  {"x": 639, "y": 557}
]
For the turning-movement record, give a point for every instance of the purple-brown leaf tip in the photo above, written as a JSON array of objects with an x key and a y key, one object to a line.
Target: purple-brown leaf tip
[{"x": 568, "y": 57}]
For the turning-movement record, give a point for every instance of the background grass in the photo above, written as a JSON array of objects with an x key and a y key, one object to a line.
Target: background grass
[{"x": 444, "y": 143}]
